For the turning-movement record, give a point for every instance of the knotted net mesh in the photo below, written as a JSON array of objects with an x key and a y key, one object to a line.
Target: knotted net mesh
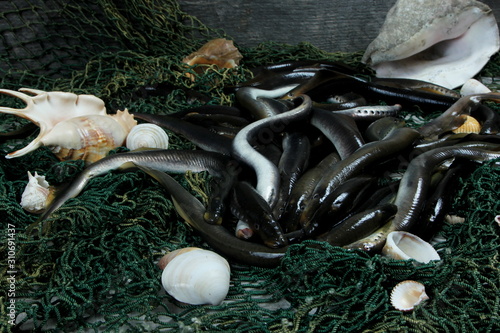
[{"x": 95, "y": 270}]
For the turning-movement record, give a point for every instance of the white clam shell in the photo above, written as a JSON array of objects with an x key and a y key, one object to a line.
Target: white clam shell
[
  {"x": 403, "y": 245},
  {"x": 196, "y": 277},
  {"x": 444, "y": 42},
  {"x": 408, "y": 294},
  {"x": 73, "y": 126},
  {"x": 36, "y": 194},
  {"x": 473, "y": 87},
  {"x": 147, "y": 136}
]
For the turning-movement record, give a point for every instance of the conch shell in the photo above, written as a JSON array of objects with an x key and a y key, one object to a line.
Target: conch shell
[
  {"x": 195, "y": 276},
  {"x": 37, "y": 194},
  {"x": 72, "y": 126},
  {"x": 445, "y": 42},
  {"x": 220, "y": 52}
]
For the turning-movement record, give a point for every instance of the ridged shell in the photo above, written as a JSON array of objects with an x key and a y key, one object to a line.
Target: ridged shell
[
  {"x": 37, "y": 194},
  {"x": 408, "y": 294},
  {"x": 471, "y": 125},
  {"x": 403, "y": 245},
  {"x": 147, "y": 136},
  {"x": 196, "y": 277}
]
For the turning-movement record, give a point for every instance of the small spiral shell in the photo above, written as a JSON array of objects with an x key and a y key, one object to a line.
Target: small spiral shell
[{"x": 147, "y": 136}]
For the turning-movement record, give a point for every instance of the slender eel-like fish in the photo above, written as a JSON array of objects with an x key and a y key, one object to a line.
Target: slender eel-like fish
[
  {"x": 262, "y": 103},
  {"x": 249, "y": 206},
  {"x": 293, "y": 162},
  {"x": 268, "y": 178},
  {"x": 198, "y": 135},
  {"x": 454, "y": 116},
  {"x": 217, "y": 236},
  {"x": 413, "y": 188},
  {"x": 364, "y": 157},
  {"x": 168, "y": 160},
  {"x": 340, "y": 129}
]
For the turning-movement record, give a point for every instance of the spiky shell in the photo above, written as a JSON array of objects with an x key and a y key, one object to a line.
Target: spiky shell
[
  {"x": 147, "y": 136},
  {"x": 73, "y": 126},
  {"x": 403, "y": 245},
  {"x": 408, "y": 294},
  {"x": 37, "y": 194},
  {"x": 197, "y": 276}
]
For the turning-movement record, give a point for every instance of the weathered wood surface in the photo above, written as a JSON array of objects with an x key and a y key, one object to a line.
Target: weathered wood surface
[{"x": 332, "y": 25}]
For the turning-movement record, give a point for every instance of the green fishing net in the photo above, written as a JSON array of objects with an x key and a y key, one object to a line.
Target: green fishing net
[{"x": 94, "y": 270}]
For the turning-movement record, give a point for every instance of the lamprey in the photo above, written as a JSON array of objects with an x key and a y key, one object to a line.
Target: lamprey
[
  {"x": 394, "y": 142},
  {"x": 198, "y": 135},
  {"x": 413, "y": 189},
  {"x": 176, "y": 161},
  {"x": 268, "y": 178},
  {"x": 217, "y": 236}
]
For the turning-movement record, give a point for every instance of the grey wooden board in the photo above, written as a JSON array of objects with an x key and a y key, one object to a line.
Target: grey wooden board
[{"x": 331, "y": 25}]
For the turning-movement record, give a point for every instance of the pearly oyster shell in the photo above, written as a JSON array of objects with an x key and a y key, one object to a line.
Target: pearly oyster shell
[
  {"x": 444, "y": 42},
  {"x": 37, "y": 194},
  {"x": 72, "y": 126},
  {"x": 196, "y": 276},
  {"x": 408, "y": 294},
  {"x": 403, "y": 245}
]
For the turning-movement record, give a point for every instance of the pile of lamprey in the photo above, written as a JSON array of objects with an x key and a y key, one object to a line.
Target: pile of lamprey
[{"x": 311, "y": 151}]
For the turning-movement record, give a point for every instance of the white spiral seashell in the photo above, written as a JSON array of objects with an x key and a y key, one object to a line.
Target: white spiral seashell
[
  {"x": 408, "y": 294},
  {"x": 147, "y": 136},
  {"x": 73, "y": 126},
  {"x": 196, "y": 276},
  {"x": 404, "y": 245},
  {"x": 36, "y": 195}
]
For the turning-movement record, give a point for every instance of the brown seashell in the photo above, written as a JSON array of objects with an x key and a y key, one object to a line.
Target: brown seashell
[
  {"x": 471, "y": 125},
  {"x": 408, "y": 294},
  {"x": 220, "y": 52}
]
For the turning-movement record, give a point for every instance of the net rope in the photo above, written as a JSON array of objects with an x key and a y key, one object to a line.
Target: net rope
[{"x": 96, "y": 268}]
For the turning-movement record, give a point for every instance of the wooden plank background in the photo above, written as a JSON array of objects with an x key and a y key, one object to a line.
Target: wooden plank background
[{"x": 332, "y": 25}]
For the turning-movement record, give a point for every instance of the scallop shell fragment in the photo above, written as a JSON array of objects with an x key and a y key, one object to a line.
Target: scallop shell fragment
[
  {"x": 470, "y": 125},
  {"x": 444, "y": 42},
  {"x": 403, "y": 245},
  {"x": 196, "y": 276},
  {"x": 408, "y": 294}
]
